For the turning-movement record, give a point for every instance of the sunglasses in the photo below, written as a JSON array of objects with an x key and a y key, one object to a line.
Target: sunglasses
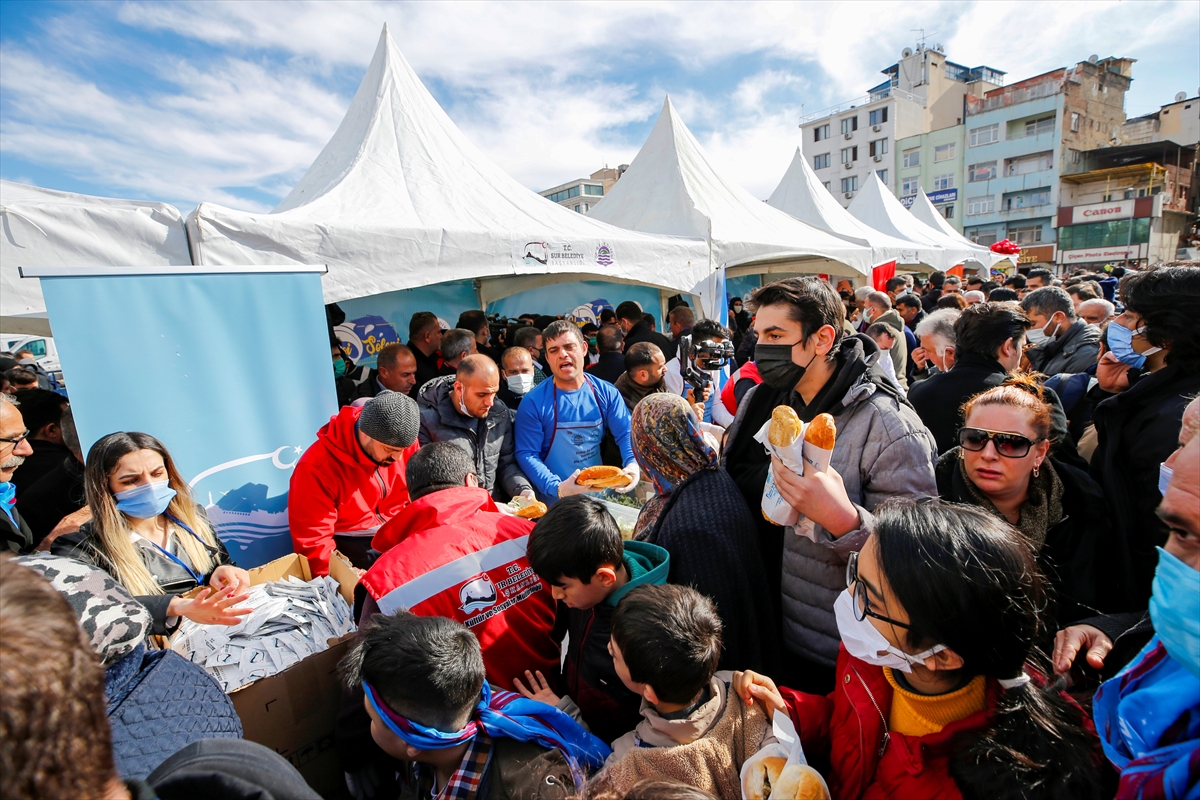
[{"x": 1009, "y": 445}]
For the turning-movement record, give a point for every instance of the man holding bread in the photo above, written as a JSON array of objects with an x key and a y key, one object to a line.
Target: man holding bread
[
  {"x": 881, "y": 450},
  {"x": 562, "y": 422}
]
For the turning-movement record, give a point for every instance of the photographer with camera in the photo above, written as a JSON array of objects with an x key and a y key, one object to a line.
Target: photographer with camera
[{"x": 701, "y": 369}]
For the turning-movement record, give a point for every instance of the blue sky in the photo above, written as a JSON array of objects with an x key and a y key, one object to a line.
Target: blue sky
[{"x": 230, "y": 102}]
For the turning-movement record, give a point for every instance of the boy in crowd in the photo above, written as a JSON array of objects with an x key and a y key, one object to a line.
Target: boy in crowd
[
  {"x": 423, "y": 679},
  {"x": 666, "y": 641},
  {"x": 576, "y": 548}
]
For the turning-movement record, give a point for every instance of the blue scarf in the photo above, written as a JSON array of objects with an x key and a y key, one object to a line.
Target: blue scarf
[
  {"x": 1148, "y": 718},
  {"x": 502, "y": 714},
  {"x": 8, "y": 497}
]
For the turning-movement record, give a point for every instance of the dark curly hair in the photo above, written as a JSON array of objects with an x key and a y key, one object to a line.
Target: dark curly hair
[{"x": 1166, "y": 299}]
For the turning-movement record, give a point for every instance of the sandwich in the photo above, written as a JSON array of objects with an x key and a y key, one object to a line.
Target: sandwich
[
  {"x": 799, "y": 782},
  {"x": 821, "y": 432},
  {"x": 532, "y": 510},
  {"x": 603, "y": 477},
  {"x": 785, "y": 426}
]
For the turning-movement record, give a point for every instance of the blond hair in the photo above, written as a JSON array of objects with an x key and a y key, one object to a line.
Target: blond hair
[{"x": 112, "y": 543}]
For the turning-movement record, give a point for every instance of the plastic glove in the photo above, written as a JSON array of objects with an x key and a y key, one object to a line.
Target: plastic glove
[
  {"x": 635, "y": 473},
  {"x": 570, "y": 487},
  {"x": 528, "y": 494}
]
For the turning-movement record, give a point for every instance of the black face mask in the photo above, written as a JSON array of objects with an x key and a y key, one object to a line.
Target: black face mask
[{"x": 776, "y": 367}]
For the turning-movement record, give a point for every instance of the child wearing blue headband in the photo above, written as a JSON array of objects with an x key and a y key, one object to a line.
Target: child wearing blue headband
[{"x": 430, "y": 706}]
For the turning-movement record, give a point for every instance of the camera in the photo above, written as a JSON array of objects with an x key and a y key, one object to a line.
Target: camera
[{"x": 700, "y": 357}]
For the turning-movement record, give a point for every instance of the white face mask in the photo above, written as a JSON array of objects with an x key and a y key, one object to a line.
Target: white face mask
[
  {"x": 1164, "y": 478},
  {"x": 866, "y": 643},
  {"x": 520, "y": 384},
  {"x": 1038, "y": 336}
]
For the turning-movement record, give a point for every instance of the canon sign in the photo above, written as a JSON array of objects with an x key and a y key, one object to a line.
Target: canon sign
[{"x": 1102, "y": 212}]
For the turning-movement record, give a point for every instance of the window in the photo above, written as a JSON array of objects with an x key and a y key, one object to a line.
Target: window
[
  {"x": 1075, "y": 118},
  {"x": 943, "y": 152},
  {"x": 820, "y": 132},
  {"x": 981, "y": 205},
  {"x": 985, "y": 237},
  {"x": 879, "y": 147},
  {"x": 593, "y": 190},
  {"x": 579, "y": 209},
  {"x": 941, "y": 182},
  {"x": 821, "y": 161},
  {"x": 828, "y": 185},
  {"x": 565, "y": 194},
  {"x": 1115, "y": 233},
  {"x": 912, "y": 158},
  {"x": 1025, "y": 165},
  {"x": 985, "y": 135},
  {"x": 981, "y": 172},
  {"x": 850, "y": 184},
  {"x": 948, "y": 210},
  {"x": 849, "y": 154},
  {"x": 910, "y": 186},
  {"x": 1027, "y": 200},
  {"x": 1036, "y": 127},
  {"x": 882, "y": 173},
  {"x": 37, "y": 347},
  {"x": 850, "y": 124},
  {"x": 879, "y": 116},
  {"x": 1073, "y": 154},
  {"x": 1025, "y": 234}
]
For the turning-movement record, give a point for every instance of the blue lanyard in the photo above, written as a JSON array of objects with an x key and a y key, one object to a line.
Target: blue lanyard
[{"x": 199, "y": 579}]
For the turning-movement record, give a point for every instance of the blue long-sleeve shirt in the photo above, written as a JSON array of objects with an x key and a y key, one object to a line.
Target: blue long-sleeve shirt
[{"x": 534, "y": 430}]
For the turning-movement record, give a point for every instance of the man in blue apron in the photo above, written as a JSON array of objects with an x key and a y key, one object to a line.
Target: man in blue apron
[{"x": 561, "y": 423}]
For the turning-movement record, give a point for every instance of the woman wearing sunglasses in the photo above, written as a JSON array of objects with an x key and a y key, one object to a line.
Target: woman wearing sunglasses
[
  {"x": 940, "y": 690},
  {"x": 151, "y": 536},
  {"x": 1002, "y": 465}
]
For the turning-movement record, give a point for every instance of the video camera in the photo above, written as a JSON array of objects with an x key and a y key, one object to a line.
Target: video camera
[{"x": 698, "y": 358}]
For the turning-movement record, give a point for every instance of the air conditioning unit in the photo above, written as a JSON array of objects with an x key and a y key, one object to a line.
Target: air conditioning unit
[
  {"x": 848, "y": 136},
  {"x": 877, "y": 159},
  {"x": 848, "y": 165},
  {"x": 849, "y": 195},
  {"x": 877, "y": 128}
]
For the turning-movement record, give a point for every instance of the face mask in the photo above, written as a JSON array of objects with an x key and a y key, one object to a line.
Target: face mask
[
  {"x": 1038, "y": 336},
  {"x": 339, "y": 368},
  {"x": 1120, "y": 343},
  {"x": 1164, "y": 478},
  {"x": 462, "y": 407},
  {"x": 520, "y": 384},
  {"x": 776, "y": 367},
  {"x": 1175, "y": 610},
  {"x": 868, "y": 316},
  {"x": 592, "y": 341},
  {"x": 864, "y": 641},
  {"x": 146, "y": 501}
]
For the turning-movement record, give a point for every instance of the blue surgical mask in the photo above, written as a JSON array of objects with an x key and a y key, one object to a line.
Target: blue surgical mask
[
  {"x": 146, "y": 501},
  {"x": 1175, "y": 610},
  {"x": 1164, "y": 478},
  {"x": 1120, "y": 343}
]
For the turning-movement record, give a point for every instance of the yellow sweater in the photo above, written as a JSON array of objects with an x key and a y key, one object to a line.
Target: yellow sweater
[{"x": 920, "y": 715}]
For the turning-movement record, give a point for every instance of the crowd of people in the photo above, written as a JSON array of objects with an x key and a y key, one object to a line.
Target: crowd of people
[{"x": 997, "y": 592}]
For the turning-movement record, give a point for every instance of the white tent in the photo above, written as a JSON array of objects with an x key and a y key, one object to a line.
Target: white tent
[
  {"x": 801, "y": 194},
  {"x": 672, "y": 188},
  {"x": 399, "y": 198},
  {"x": 877, "y": 207},
  {"x": 923, "y": 210},
  {"x": 45, "y": 228}
]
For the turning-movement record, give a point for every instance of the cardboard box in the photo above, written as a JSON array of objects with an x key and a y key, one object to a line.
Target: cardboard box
[{"x": 294, "y": 712}]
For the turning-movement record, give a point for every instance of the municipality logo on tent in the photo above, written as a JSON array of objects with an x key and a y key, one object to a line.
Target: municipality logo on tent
[{"x": 604, "y": 255}]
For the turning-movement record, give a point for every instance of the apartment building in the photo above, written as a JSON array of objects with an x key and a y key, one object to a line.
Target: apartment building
[
  {"x": 1127, "y": 204},
  {"x": 933, "y": 163},
  {"x": 1019, "y": 137},
  {"x": 923, "y": 92},
  {"x": 582, "y": 193},
  {"x": 1177, "y": 122}
]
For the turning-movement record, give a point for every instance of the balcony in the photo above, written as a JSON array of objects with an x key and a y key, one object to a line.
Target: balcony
[{"x": 1031, "y": 212}]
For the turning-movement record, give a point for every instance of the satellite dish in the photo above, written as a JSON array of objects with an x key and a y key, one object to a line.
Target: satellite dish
[
  {"x": 906, "y": 52},
  {"x": 1093, "y": 58},
  {"x": 1179, "y": 98}
]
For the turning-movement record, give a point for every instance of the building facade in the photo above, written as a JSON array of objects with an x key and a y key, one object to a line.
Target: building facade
[
  {"x": 933, "y": 163},
  {"x": 848, "y": 143},
  {"x": 582, "y": 193},
  {"x": 1017, "y": 140}
]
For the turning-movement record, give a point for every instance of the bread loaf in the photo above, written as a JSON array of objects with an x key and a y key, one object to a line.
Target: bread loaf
[
  {"x": 785, "y": 426},
  {"x": 821, "y": 432}
]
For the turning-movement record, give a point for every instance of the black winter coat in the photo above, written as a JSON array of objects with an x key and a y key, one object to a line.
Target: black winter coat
[
  {"x": 18, "y": 538},
  {"x": 709, "y": 531},
  {"x": 57, "y": 494},
  {"x": 1078, "y": 549},
  {"x": 1136, "y": 431},
  {"x": 641, "y": 333}
]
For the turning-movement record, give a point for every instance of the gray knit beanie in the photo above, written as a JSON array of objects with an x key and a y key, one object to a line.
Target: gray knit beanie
[{"x": 391, "y": 418}]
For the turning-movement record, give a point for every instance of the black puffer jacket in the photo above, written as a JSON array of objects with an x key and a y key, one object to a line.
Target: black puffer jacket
[
  {"x": 1136, "y": 431},
  {"x": 1079, "y": 548}
]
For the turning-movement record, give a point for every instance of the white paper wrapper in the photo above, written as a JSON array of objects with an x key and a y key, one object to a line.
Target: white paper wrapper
[
  {"x": 774, "y": 507},
  {"x": 788, "y": 747},
  {"x": 814, "y": 458}
]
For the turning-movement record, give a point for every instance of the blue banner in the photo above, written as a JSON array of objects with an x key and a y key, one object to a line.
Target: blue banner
[{"x": 231, "y": 371}]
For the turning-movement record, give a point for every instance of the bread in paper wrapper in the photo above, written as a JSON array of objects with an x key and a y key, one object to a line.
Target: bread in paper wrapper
[
  {"x": 819, "y": 438},
  {"x": 780, "y": 771},
  {"x": 795, "y": 445}
]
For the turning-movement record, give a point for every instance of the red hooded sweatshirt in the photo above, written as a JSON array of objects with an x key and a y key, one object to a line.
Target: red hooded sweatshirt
[
  {"x": 336, "y": 488},
  {"x": 452, "y": 554}
]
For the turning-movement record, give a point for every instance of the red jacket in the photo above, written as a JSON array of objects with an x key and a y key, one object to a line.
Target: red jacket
[
  {"x": 847, "y": 727},
  {"x": 748, "y": 371},
  {"x": 452, "y": 554},
  {"x": 335, "y": 488}
]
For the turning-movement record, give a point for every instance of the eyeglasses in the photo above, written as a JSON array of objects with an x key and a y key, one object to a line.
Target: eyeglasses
[
  {"x": 16, "y": 441},
  {"x": 1009, "y": 445},
  {"x": 862, "y": 604}
]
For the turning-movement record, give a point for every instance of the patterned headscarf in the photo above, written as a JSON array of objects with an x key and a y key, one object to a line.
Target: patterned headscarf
[
  {"x": 111, "y": 619},
  {"x": 670, "y": 447}
]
